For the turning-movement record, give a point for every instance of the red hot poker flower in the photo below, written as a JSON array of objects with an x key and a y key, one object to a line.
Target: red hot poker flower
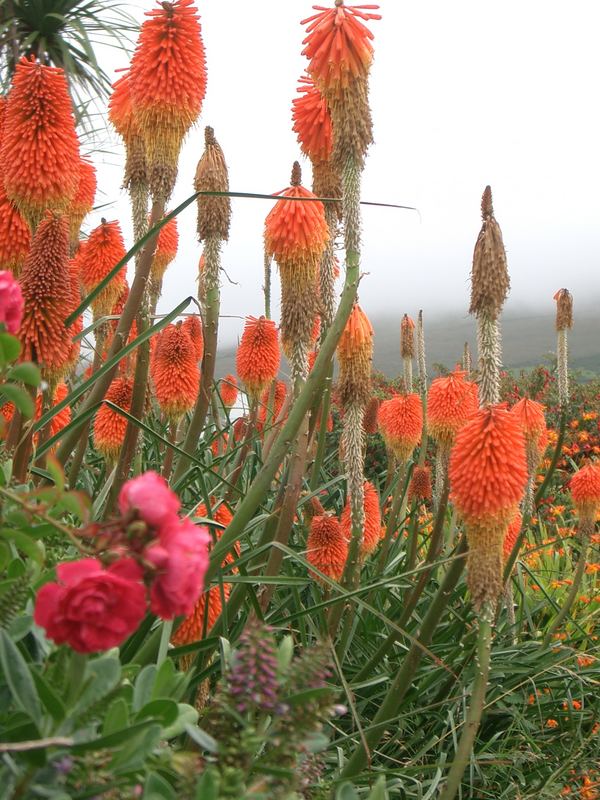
[
  {"x": 258, "y": 356},
  {"x": 401, "y": 422},
  {"x": 312, "y": 121},
  {"x": 103, "y": 250},
  {"x": 15, "y": 236},
  {"x": 585, "y": 491}
]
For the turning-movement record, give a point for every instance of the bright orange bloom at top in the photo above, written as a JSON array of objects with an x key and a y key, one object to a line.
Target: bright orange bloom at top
[
  {"x": 193, "y": 326},
  {"x": 83, "y": 202},
  {"x": 451, "y": 402},
  {"x": 400, "y": 423},
  {"x": 312, "y": 121},
  {"x": 15, "y": 236},
  {"x": 585, "y": 491},
  {"x": 531, "y": 416},
  {"x": 166, "y": 249},
  {"x": 167, "y": 80},
  {"x": 488, "y": 469},
  {"x": 109, "y": 425},
  {"x": 296, "y": 230},
  {"x": 228, "y": 389},
  {"x": 175, "y": 372},
  {"x": 357, "y": 334},
  {"x": 372, "y": 529},
  {"x": 327, "y": 546},
  {"x": 103, "y": 250},
  {"x": 39, "y": 157},
  {"x": 258, "y": 356},
  {"x": 338, "y": 44},
  {"x": 46, "y": 287},
  {"x": 120, "y": 109}
]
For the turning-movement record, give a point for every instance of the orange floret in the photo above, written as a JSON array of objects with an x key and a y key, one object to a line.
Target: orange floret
[
  {"x": 109, "y": 425},
  {"x": 312, "y": 121},
  {"x": 372, "y": 529},
  {"x": 103, "y": 250},
  {"x": 258, "y": 356},
  {"x": 400, "y": 422},
  {"x": 228, "y": 390},
  {"x": 15, "y": 237},
  {"x": 175, "y": 372},
  {"x": 451, "y": 402},
  {"x": 327, "y": 547}
]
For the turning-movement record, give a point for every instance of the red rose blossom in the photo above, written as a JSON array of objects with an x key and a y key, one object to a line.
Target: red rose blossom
[
  {"x": 150, "y": 496},
  {"x": 92, "y": 608},
  {"x": 180, "y": 556},
  {"x": 11, "y": 302}
]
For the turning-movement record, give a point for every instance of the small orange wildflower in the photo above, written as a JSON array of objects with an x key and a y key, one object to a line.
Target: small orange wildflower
[
  {"x": 39, "y": 156},
  {"x": 327, "y": 547},
  {"x": 451, "y": 402},
  {"x": 175, "y": 372},
  {"x": 512, "y": 534},
  {"x": 109, "y": 425},
  {"x": 193, "y": 326},
  {"x": 279, "y": 399},
  {"x": 400, "y": 422},
  {"x": 60, "y": 420},
  {"x": 103, "y": 250},
  {"x": 258, "y": 356},
  {"x": 228, "y": 390},
  {"x": 551, "y": 723},
  {"x": 585, "y": 491},
  {"x": 420, "y": 484},
  {"x": 312, "y": 121}
]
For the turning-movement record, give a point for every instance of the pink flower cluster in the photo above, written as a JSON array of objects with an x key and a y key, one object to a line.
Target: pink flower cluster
[
  {"x": 11, "y": 302},
  {"x": 94, "y": 607}
]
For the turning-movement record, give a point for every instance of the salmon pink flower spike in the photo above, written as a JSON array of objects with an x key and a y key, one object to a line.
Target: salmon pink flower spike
[
  {"x": 372, "y": 526},
  {"x": 109, "y": 425},
  {"x": 166, "y": 250},
  {"x": 15, "y": 236},
  {"x": 83, "y": 202},
  {"x": 488, "y": 474},
  {"x": 46, "y": 286},
  {"x": 338, "y": 44},
  {"x": 452, "y": 401},
  {"x": 175, "y": 372},
  {"x": 327, "y": 547},
  {"x": 39, "y": 156},
  {"x": 103, "y": 250},
  {"x": 312, "y": 121},
  {"x": 585, "y": 491},
  {"x": 228, "y": 390},
  {"x": 400, "y": 423},
  {"x": 258, "y": 356},
  {"x": 193, "y": 326},
  {"x": 167, "y": 84},
  {"x": 11, "y": 302}
]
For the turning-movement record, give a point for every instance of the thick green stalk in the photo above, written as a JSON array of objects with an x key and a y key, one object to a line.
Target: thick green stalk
[
  {"x": 405, "y": 675},
  {"x": 212, "y": 269},
  {"x": 397, "y": 502},
  {"x": 130, "y": 310},
  {"x": 586, "y": 530},
  {"x": 312, "y": 387},
  {"x": 478, "y": 692}
]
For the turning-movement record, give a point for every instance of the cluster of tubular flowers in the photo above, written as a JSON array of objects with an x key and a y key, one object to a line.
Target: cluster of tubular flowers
[
  {"x": 279, "y": 395},
  {"x": 175, "y": 372},
  {"x": 39, "y": 155},
  {"x": 355, "y": 354},
  {"x": 209, "y": 605},
  {"x": 125, "y": 122},
  {"x": 83, "y": 201},
  {"x": 296, "y": 234},
  {"x": 102, "y": 251},
  {"x": 228, "y": 389},
  {"x": 63, "y": 417},
  {"x": 48, "y": 298},
  {"x": 451, "y": 402},
  {"x": 166, "y": 250},
  {"x": 531, "y": 415},
  {"x": 338, "y": 46},
  {"x": 109, "y": 425},
  {"x": 512, "y": 534},
  {"x": 167, "y": 82},
  {"x": 370, "y": 419},
  {"x": 488, "y": 474},
  {"x": 15, "y": 236},
  {"x": 372, "y": 524},
  {"x": 258, "y": 356},
  {"x": 193, "y": 326},
  {"x": 146, "y": 557},
  {"x": 585, "y": 491},
  {"x": 419, "y": 488},
  {"x": 327, "y": 544},
  {"x": 400, "y": 422}
]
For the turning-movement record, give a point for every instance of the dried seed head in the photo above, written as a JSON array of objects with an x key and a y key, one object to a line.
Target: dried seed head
[
  {"x": 371, "y": 411},
  {"x": 214, "y": 213},
  {"x": 564, "y": 309},
  {"x": 489, "y": 276},
  {"x": 407, "y": 338}
]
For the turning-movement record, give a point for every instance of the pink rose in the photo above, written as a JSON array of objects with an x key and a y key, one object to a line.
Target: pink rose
[
  {"x": 150, "y": 496},
  {"x": 92, "y": 608},
  {"x": 180, "y": 556},
  {"x": 11, "y": 302}
]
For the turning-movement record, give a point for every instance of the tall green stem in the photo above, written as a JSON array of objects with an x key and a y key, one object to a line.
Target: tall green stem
[{"x": 473, "y": 718}]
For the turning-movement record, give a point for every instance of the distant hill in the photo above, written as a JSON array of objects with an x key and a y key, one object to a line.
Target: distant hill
[{"x": 527, "y": 339}]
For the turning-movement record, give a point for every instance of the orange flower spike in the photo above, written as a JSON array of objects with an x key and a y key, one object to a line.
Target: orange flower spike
[
  {"x": 338, "y": 45},
  {"x": 193, "y": 326},
  {"x": 372, "y": 527},
  {"x": 175, "y": 372},
  {"x": 488, "y": 474},
  {"x": 371, "y": 412},
  {"x": 167, "y": 81},
  {"x": 39, "y": 156},
  {"x": 46, "y": 287},
  {"x": 60, "y": 420},
  {"x": 512, "y": 534},
  {"x": 420, "y": 485},
  {"x": 83, "y": 201},
  {"x": 75, "y": 301},
  {"x": 355, "y": 353},
  {"x": 451, "y": 402},
  {"x": 120, "y": 109},
  {"x": 295, "y": 230},
  {"x": 312, "y": 121},
  {"x": 229, "y": 390},
  {"x": 15, "y": 236},
  {"x": 585, "y": 491},
  {"x": 533, "y": 421},
  {"x": 166, "y": 249},
  {"x": 327, "y": 547},
  {"x": 280, "y": 395},
  {"x": 109, "y": 425},
  {"x": 400, "y": 422},
  {"x": 104, "y": 248},
  {"x": 258, "y": 356}
]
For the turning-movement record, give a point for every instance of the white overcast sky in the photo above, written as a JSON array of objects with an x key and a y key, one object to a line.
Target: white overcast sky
[{"x": 463, "y": 94}]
